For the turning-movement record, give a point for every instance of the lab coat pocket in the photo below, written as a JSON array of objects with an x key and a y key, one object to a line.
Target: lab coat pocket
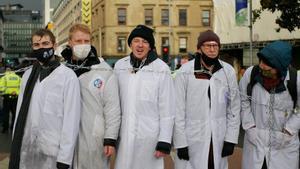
[
  {"x": 48, "y": 142},
  {"x": 251, "y": 135},
  {"x": 53, "y": 104},
  {"x": 148, "y": 91},
  {"x": 281, "y": 140}
]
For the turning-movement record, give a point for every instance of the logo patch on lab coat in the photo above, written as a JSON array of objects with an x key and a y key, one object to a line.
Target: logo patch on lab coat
[{"x": 98, "y": 83}]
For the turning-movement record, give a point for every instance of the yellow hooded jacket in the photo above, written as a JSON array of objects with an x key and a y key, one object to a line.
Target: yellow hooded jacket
[{"x": 10, "y": 83}]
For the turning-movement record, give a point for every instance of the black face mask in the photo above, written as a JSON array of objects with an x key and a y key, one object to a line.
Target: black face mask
[
  {"x": 43, "y": 55},
  {"x": 207, "y": 60},
  {"x": 67, "y": 54}
]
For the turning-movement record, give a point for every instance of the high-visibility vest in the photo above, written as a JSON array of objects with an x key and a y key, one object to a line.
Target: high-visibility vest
[{"x": 10, "y": 83}]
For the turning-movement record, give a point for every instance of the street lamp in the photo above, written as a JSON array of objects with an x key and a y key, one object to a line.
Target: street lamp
[{"x": 251, "y": 32}]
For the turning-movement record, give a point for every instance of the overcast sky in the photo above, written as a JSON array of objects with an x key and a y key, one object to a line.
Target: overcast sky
[{"x": 28, "y": 4}]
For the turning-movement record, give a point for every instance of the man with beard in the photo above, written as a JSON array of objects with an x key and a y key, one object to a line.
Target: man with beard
[
  {"x": 207, "y": 108},
  {"x": 48, "y": 111},
  {"x": 100, "y": 115},
  {"x": 146, "y": 93}
]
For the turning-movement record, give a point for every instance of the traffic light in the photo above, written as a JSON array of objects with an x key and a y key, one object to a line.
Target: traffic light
[
  {"x": 165, "y": 54},
  {"x": 50, "y": 26},
  {"x": 10, "y": 62}
]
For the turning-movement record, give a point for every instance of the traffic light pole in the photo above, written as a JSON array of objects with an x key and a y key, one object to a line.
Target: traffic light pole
[
  {"x": 100, "y": 41},
  {"x": 251, "y": 32},
  {"x": 169, "y": 24}
]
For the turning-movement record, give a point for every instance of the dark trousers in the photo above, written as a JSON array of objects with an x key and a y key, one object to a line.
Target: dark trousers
[
  {"x": 211, "y": 156},
  {"x": 264, "y": 165},
  {"x": 9, "y": 105}
]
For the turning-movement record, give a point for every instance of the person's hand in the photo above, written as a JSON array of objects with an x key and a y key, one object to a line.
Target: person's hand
[
  {"x": 227, "y": 149},
  {"x": 159, "y": 154},
  {"x": 109, "y": 150},
  {"x": 183, "y": 153},
  {"x": 60, "y": 165}
]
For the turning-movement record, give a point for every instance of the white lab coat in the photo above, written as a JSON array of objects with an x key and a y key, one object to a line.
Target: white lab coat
[
  {"x": 53, "y": 120},
  {"x": 100, "y": 116},
  {"x": 199, "y": 119},
  {"x": 279, "y": 149},
  {"x": 147, "y": 104}
]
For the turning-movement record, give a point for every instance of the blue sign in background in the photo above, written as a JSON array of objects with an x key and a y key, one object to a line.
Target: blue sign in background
[
  {"x": 241, "y": 13},
  {"x": 240, "y": 4}
]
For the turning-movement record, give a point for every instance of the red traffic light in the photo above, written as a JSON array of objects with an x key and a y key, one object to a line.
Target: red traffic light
[
  {"x": 165, "y": 50},
  {"x": 165, "y": 53}
]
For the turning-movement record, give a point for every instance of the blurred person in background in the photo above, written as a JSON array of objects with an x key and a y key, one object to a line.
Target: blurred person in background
[
  {"x": 184, "y": 59},
  {"x": 10, "y": 88}
]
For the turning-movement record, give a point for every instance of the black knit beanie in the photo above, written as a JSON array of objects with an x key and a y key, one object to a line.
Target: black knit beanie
[
  {"x": 207, "y": 36},
  {"x": 143, "y": 32}
]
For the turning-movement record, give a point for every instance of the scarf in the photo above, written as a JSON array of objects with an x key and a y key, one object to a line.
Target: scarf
[
  {"x": 197, "y": 66},
  {"x": 269, "y": 83},
  {"x": 16, "y": 145},
  {"x": 48, "y": 68},
  {"x": 138, "y": 64}
]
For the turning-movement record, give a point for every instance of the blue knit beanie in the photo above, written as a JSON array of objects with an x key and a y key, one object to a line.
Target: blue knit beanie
[{"x": 278, "y": 54}]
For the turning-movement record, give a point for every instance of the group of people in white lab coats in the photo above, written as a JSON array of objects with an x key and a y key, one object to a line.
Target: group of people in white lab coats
[{"x": 79, "y": 117}]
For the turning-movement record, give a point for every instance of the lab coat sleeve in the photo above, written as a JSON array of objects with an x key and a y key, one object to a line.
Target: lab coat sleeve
[
  {"x": 112, "y": 114},
  {"x": 246, "y": 113},
  {"x": 180, "y": 100},
  {"x": 71, "y": 117},
  {"x": 21, "y": 94},
  {"x": 166, "y": 107},
  {"x": 293, "y": 124},
  {"x": 233, "y": 109}
]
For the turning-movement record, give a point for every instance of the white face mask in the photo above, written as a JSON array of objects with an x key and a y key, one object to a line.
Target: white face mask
[{"x": 81, "y": 51}]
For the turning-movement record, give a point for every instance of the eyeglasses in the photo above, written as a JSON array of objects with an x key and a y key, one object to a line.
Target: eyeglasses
[{"x": 208, "y": 46}]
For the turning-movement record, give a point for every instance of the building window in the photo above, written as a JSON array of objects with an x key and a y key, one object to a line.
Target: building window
[
  {"x": 182, "y": 17},
  {"x": 206, "y": 17},
  {"x": 121, "y": 48},
  {"x": 182, "y": 44},
  {"x": 165, "y": 41},
  {"x": 148, "y": 16},
  {"x": 121, "y": 16},
  {"x": 165, "y": 17}
]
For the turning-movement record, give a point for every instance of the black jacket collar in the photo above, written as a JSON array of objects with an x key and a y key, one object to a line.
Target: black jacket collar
[
  {"x": 198, "y": 66},
  {"x": 138, "y": 64}
]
